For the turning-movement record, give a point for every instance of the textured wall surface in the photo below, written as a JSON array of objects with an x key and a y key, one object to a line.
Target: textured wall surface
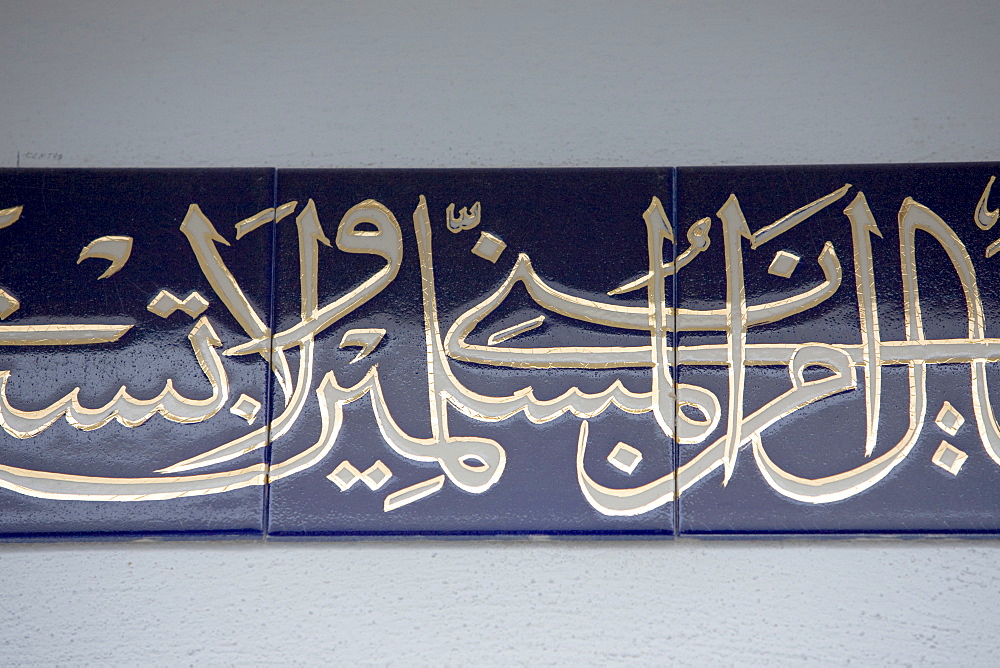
[{"x": 466, "y": 84}]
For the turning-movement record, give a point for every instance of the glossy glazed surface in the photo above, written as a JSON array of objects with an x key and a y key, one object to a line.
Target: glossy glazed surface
[
  {"x": 583, "y": 233},
  {"x": 63, "y": 212},
  {"x": 336, "y": 353},
  {"x": 810, "y": 472}
]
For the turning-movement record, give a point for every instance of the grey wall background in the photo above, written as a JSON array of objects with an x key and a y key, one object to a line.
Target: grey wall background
[{"x": 441, "y": 83}]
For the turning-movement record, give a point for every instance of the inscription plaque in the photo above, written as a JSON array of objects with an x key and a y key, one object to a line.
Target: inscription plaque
[{"x": 569, "y": 352}]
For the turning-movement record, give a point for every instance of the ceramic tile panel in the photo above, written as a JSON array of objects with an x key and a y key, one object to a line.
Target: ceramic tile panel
[
  {"x": 837, "y": 367},
  {"x": 461, "y": 362},
  {"x": 488, "y": 352},
  {"x": 120, "y": 292}
]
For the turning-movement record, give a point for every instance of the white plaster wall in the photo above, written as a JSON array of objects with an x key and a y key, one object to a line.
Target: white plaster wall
[{"x": 441, "y": 83}]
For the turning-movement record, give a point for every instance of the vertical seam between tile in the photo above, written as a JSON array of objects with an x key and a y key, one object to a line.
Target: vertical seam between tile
[
  {"x": 272, "y": 298},
  {"x": 674, "y": 340}
]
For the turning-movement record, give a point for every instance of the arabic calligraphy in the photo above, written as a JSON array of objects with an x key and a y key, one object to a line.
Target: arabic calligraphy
[{"x": 685, "y": 413}]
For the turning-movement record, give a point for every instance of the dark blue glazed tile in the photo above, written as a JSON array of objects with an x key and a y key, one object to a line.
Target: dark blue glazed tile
[
  {"x": 405, "y": 351},
  {"x": 111, "y": 352},
  {"x": 509, "y": 263},
  {"x": 847, "y": 426}
]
